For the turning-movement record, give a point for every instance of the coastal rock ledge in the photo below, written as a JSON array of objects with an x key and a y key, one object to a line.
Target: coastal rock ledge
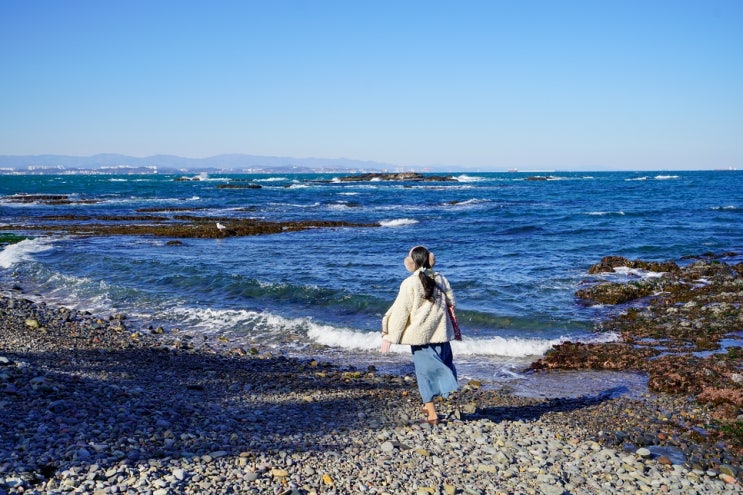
[
  {"x": 679, "y": 325},
  {"x": 400, "y": 177}
]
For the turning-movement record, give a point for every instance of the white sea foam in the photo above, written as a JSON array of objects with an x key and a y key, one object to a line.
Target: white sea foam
[
  {"x": 398, "y": 222},
  {"x": 272, "y": 179},
  {"x": 602, "y": 213},
  {"x": 22, "y": 251},
  {"x": 636, "y": 272},
  {"x": 512, "y": 347},
  {"x": 666, "y": 177},
  {"x": 346, "y": 338},
  {"x": 504, "y": 347},
  {"x": 469, "y": 202},
  {"x": 469, "y": 178},
  {"x": 637, "y": 178},
  {"x": 241, "y": 326}
]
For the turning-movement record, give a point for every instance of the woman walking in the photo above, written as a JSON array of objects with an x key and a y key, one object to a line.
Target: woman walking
[{"x": 419, "y": 318}]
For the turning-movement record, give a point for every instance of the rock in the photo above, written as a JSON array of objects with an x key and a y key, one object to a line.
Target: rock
[
  {"x": 730, "y": 480},
  {"x": 32, "y": 323},
  {"x": 279, "y": 473},
  {"x": 548, "y": 489},
  {"x": 643, "y": 452},
  {"x": 402, "y": 177},
  {"x": 387, "y": 447},
  {"x": 728, "y": 469}
]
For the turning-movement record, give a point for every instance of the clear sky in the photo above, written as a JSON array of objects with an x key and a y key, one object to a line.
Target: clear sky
[{"x": 603, "y": 84}]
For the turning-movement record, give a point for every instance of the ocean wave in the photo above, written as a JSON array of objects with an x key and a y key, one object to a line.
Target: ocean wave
[
  {"x": 398, "y": 222},
  {"x": 602, "y": 213},
  {"x": 296, "y": 205},
  {"x": 469, "y": 202},
  {"x": 469, "y": 178},
  {"x": 22, "y": 251},
  {"x": 272, "y": 179},
  {"x": 511, "y": 347},
  {"x": 637, "y": 179},
  {"x": 623, "y": 273},
  {"x": 666, "y": 177},
  {"x": 209, "y": 321}
]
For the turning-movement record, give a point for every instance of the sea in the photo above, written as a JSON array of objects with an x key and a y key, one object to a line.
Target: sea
[{"x": 515, "y": 247}]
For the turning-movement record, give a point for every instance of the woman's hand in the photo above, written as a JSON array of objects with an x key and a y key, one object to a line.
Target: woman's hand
[{"x": 386, "y": 344}]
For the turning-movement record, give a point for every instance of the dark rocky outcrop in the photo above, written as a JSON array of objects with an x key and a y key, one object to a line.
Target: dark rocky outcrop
[
  {"x": 179, "y": 226},
  {"x": 673, "y": 332},
  {"x": 401, "y": 177}
]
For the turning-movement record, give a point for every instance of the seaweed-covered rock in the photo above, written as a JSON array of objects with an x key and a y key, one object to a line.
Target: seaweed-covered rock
[
  {"x": 616, "y": 293},
  {"x": 609, "y": 263},
  {"x": 674, "y": 336},
  {"x": 180, "y": 226}
]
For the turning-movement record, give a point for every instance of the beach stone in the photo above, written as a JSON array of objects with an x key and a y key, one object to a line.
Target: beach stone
[
  {"x": 728, "y": 469},
  {"x": 548, "y": 489},
  {"x": 643, "y": 452},
  {"x": 728, "y": 479},
  {"x": 279, "y": 473},
  {"x": 184, "y": 440},
  {"x": 387, "y": 447}
]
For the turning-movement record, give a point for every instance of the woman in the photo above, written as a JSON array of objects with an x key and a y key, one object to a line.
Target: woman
[{"x": 419, "y": 318}]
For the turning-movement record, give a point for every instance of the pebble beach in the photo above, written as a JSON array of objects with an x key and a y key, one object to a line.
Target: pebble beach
[{"x": 90, "y": 405}]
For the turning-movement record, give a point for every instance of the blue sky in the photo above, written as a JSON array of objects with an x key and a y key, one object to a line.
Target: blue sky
[{"x": 481, "y": 84}]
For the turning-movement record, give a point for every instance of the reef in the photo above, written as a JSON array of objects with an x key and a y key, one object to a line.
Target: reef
[
  {"x": 177, "y": 226},
  {"x": 683, "y": 327},
  {"x": 401, "y": 177}
]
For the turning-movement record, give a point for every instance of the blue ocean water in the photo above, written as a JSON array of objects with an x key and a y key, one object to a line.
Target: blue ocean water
[{"x": 514, "y": 249}]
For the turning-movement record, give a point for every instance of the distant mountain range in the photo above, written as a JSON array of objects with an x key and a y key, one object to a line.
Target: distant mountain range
[{"x": 166, "y": 163}]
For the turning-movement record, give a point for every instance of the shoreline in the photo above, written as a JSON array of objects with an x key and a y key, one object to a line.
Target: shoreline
[{"x": 92, "y": 406}]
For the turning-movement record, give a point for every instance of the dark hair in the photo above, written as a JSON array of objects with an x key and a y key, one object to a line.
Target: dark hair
[{"x": 420, "y": 256}]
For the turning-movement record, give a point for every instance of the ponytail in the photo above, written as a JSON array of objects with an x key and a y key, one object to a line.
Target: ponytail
[
  {"x": 422, "y": 259},
  {"x": 428, "y": 285}
]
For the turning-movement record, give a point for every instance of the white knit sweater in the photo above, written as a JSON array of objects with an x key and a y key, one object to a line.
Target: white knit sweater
[{"x": 412, "y": 320}]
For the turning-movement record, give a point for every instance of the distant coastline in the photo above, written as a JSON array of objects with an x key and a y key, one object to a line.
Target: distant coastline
[
  {"x": 117, "y": 164},
  {"x": 170, "y": 164}
]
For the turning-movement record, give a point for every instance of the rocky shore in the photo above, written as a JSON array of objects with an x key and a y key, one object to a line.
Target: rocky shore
[
  {"x": 92, "y": 405},
  {"x": 673, "y": 326}
]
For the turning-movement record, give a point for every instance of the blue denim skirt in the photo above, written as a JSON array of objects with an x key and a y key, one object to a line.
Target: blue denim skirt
[{"x": 434, "y": 370}]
